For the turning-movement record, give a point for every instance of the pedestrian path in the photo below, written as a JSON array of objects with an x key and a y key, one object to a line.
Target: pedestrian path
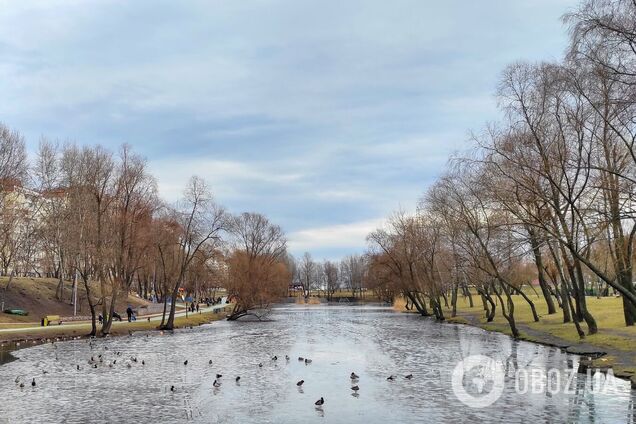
[{"x": 85, "y": 324}]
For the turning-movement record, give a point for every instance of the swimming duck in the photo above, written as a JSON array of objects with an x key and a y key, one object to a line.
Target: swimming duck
[
  {"x": 354, "y": 376},
  {"x": 300, "y": 383},
  {"x": 216, "y": 384},
  {"x": 320, "y": 402},
  {"x": 408, "y": 377},
  {"x": 355, "y": 388}
]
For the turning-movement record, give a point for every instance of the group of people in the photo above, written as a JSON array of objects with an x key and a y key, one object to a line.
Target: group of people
[
  {"x": 116, "y": 317},
  {"x": 194, "y": 306},
  {"x": 209, "y": 301}
]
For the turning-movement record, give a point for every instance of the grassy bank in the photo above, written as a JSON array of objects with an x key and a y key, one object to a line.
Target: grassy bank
[
  {"x": 118, "y": 328},
  {"x": 37, "y": 296},
  {"x": 615, "y": 341}
]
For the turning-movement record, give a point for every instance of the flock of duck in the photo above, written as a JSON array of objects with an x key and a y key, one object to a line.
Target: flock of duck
[{"x": 94, "y": 362}]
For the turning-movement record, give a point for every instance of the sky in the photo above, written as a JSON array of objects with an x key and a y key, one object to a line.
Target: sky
[{"x": 324, "y": 115}]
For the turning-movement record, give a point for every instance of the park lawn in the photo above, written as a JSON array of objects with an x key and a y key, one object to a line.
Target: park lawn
[{"x": 608, "y": 312}]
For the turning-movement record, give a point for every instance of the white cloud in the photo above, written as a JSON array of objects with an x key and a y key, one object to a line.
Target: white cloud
[
  {"x": 224, "y": 176},
  {"x": 352, "y": 235}
]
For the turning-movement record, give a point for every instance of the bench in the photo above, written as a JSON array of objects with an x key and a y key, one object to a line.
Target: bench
[{"x": 50, "y": 319}]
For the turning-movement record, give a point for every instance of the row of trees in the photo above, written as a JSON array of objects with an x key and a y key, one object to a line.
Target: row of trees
[
  {"x": 93, "y": 217},
  {"x": 547, "y": 192},
  {"x": 327, "y": 277}
]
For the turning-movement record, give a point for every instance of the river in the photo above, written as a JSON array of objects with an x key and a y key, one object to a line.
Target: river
[{"x": 373, "y": 342}]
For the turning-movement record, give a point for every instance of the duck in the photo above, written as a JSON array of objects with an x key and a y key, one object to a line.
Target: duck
[
  {"x": 210, "y": 362},
  {"x": 172, "y": 389},
  {"x": 300, "y": 383},
  {"x": 238, "y": 378},
  {"x": 17, "y": 380},
  {"x": 391, "y": 378},
  {"x": 219, "y": 375},
  {"x": 300, "y": 358},
  {"x": 355, "y": 388},
  {"x": 216, "y": 384},
  {"x": 185, "y": 362},
  {"x": 94, "y": 365},
  {"x": 274, "y": 358},
  {"x": 78, "y": 367},
  {"x": 408, "y": 377},
  {"x": 260, "y": 365},
  {"x": 22, "y": 385},
  {"x": 287, "y": 357},
  {"x": 143, "y": 362},
  {"x": 307, "y": 361},
  {"x": 320, "y": 402},
  {"x": 354, "y": 376},
  {"x": 33, "y": 383}
]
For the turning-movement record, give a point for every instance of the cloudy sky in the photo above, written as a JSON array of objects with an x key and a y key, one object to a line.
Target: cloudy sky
[{"x": 324, "y": 115}]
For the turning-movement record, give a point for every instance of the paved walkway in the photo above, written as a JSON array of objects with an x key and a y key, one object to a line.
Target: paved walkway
[{"x": 84, "y": 324}]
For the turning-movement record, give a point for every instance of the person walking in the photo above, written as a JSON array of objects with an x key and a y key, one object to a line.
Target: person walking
[{"x": 129, "y": 312}]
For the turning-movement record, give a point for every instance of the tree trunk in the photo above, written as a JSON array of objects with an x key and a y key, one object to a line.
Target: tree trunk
[
  {"x": 538, "y": 259},
  {"x": 509, "y": 316}
]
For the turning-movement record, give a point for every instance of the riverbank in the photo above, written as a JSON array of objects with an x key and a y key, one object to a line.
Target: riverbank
[
  {"x": 614, "y": 346},
  {"x": 31, "y": 336}
]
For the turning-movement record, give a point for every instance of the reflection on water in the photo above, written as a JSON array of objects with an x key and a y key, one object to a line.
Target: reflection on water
[{"x": 373, "y": 342}]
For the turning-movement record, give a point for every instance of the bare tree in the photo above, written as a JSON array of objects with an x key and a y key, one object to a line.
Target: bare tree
[
  {"x": 258, "y": 274},
  {"x": 200, "y": 222}
]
